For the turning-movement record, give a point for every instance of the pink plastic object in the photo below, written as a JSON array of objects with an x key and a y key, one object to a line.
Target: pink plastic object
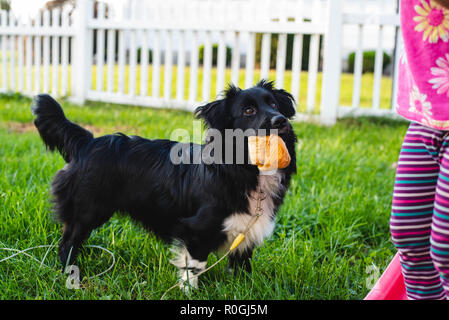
[{"x": 391, "y": 284}]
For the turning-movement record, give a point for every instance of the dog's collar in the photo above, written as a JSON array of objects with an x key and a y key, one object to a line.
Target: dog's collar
[{"x": 260, "y": 197}]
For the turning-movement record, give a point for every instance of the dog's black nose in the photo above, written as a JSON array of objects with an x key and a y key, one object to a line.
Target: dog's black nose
[{"x": 278, "y": 122}]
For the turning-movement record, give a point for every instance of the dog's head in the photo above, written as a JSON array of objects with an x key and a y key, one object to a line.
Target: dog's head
[{"x": 259, "y": 107}]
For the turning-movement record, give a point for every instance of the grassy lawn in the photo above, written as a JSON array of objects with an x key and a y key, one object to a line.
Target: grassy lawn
[
  {"x": 331, "y": 228},
  {"x": 346, "y": 84}
]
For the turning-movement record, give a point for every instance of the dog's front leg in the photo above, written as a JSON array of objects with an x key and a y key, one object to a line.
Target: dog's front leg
[
  {"x": 240, "y": 260},
  {"x": 189, "y": 268},
  {"x": 199, "y": 235}
]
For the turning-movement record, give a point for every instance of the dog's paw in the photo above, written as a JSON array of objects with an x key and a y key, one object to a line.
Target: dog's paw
[
  {"x": 188, "y": 286},
  {"x": 184, "y": 287}
]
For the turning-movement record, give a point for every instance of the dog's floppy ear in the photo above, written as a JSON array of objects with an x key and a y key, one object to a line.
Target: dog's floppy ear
[
  {"x": 284, "y": 99},
  {"x": 213, "y": 114}
]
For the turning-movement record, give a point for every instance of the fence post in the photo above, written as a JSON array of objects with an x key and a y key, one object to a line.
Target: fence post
[
  {"x": 81, "y": 52},
  {"x": 330, "y": 94}
]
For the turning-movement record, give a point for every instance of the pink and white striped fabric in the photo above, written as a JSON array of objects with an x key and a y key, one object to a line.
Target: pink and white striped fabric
[{"x": 419, "y": 222}]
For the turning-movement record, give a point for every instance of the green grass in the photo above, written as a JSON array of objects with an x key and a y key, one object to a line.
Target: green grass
[
  {"x": 332, "y": 226},
  {"x": 346, "y": 84}
]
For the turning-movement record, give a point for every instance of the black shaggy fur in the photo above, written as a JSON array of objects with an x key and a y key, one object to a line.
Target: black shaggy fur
[{"x": 133, "y": 175}]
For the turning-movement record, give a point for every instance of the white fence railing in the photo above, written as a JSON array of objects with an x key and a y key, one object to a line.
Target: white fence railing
[
  {"x": 381, "y": 22},
  {"x": 149, "y": 53}
]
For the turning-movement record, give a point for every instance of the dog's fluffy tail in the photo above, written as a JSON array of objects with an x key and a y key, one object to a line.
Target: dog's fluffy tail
[{"x": 56, "y": 130}]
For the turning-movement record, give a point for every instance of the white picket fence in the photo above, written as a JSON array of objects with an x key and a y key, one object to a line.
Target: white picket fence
[{"x": 54, "y": 53}]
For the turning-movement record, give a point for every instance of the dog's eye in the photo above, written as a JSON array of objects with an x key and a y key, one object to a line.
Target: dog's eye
[{"x": 249, "y": 111}]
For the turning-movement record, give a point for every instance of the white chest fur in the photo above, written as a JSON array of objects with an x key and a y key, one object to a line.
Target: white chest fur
[{"x": 263, "y": 227}]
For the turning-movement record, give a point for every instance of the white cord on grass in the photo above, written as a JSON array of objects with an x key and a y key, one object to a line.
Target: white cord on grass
[{"x": 49, "y": 246}]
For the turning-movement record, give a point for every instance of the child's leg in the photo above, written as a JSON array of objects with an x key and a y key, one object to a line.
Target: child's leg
[
  {"x": 439, "y": 239},
  {"x": 411, "y": 216}
]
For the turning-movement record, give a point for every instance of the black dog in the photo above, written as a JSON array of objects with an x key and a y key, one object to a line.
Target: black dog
[{"x": 204, "y": 206}]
